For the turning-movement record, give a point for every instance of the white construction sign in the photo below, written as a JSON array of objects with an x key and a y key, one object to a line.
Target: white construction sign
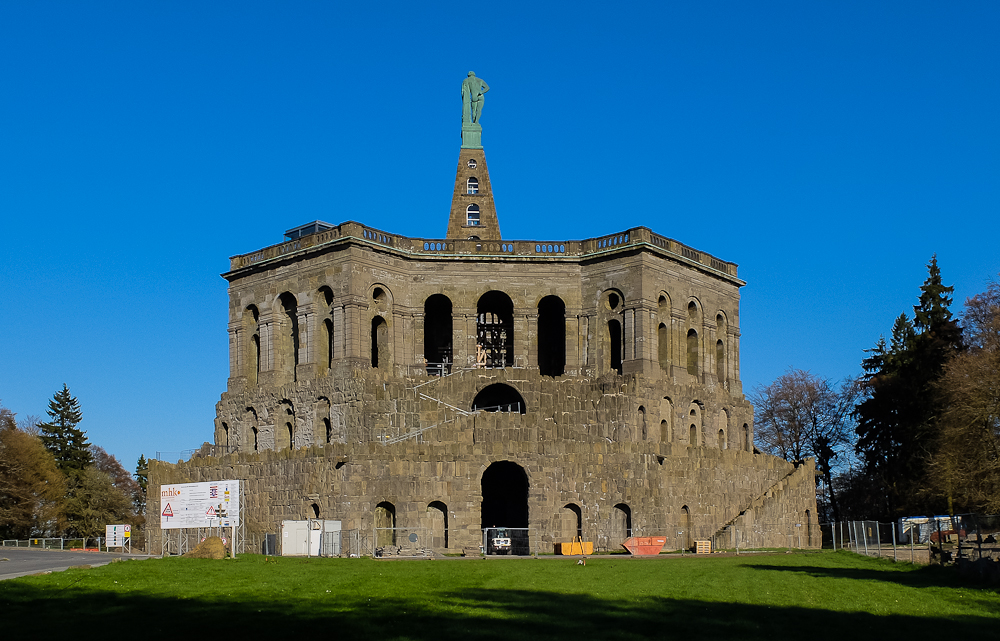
[
  {"x": 117, "y": 536},
  {"x": 194, "y": 505}
]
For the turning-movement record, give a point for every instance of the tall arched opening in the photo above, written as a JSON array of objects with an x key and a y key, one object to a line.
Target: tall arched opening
[
  {"x": 385, "y": 524},
  {"x": 615, "y": 345},
  {"x": 621, "y": 525},
  {"x": 495, "y": 330},
  {"x": 438, "y": 335},
  {"x": 438, "y": 515},
  {"x": 505, "y": 507},
  {"x": 551, "y": 336}
]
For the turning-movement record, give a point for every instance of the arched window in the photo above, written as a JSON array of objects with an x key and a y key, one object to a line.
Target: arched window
[
  {"x": 746, "y": 438},
  {"x": 720, "y": 347},
  {"x": 315, "y": 510},
  {"x": 472, "y": 215},
  {"x": 380, "y": 341},
  {"x": 225, "y": 436},
  {"x": 722, "y": 439},
  {"x": 666, "y": 420},
  {"x": 284, "y": 437},
  {"x": 499, "y": 397},
  {"x": 288, "y": 336},
  {"x": 251, "y": 330},
  {"x": 495, "y": 330},
  {"x": 250, "y": 418},
  {"x": 615, "y": 344},
  {"x": 695, "y": 420},
  {"x": 663, "y": 332},
  {"x": 692, "y": 352},
  {"x": 642, "y": 423},
  {"x": 662, "y": 346},
  {"x": 472, "y": 186},
  {"x": 551, "y": 336},
  {"x": 438, "y": 335},
  {"x": 694, "y": 326},
  {"x": 324, "y": 345}
]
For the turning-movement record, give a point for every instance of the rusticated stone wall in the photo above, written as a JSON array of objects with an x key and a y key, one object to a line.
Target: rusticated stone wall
[{"x": 581, "y": 442}]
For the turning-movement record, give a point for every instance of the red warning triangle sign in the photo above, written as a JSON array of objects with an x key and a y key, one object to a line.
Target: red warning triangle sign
[
  {"x": 167, "y": 511},
  {"x": 210, "y": 512}
]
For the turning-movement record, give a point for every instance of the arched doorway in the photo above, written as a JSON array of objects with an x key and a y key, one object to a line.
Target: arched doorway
[{"x": 505, "y": 508}]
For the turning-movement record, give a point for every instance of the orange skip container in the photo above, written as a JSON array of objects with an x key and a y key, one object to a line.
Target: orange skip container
[{"x": 645, "y": 544}]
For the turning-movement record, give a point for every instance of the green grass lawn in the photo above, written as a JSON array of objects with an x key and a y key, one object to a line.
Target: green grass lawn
[{"x": 826, "y": 595}]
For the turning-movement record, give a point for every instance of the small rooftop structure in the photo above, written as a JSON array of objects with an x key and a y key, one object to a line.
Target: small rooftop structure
[{"x": 314, "y": 227}]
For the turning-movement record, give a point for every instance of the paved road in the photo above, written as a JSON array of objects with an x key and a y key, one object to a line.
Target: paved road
[{"x": 15, "y": 562}]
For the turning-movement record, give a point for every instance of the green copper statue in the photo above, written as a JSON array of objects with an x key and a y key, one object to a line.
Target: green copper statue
[{"x": 473, "y": 89}]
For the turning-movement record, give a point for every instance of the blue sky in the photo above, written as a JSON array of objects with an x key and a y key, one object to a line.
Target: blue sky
[{"x": 829, "y": 148}]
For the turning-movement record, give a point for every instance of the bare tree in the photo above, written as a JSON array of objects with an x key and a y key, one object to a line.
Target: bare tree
[
  {"x": 800, "y": 415},
  {"x": 30, "y": 424},
  {"x": 965, "y": 469}
]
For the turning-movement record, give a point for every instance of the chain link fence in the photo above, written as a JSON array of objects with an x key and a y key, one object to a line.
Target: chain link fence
[{"x": 919, "y": 539}]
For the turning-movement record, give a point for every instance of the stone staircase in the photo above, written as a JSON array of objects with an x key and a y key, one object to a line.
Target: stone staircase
[{"x": 752, "y": 527}]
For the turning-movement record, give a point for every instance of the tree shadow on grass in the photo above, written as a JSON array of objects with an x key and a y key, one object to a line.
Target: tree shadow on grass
[
  {"x": 924, "y": 577},
  {"x": 38, "y": 613}
]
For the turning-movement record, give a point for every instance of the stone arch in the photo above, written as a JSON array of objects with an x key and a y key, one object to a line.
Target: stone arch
[
  {"x": 380, "y": 336},
  {"x": 323, "y": 430},
  {"x": 570, "y": 525},
  {"x": 286, "y": 344},
  {"x": 687, "y": 525},
  {"x": 621, "y": 524},
  {"x": 641, "y": 427},
  {"x": 551, "y": 336},
  {"x": 499, "y": 397},
  {"x": 253, "y": 434},
  {"x": 284, "y": 426},
  {"x": 663, "y": 350},
  {"x": 495, "y": 330},
  {"x": 385, "y": 524},
  {"x": 666, "y": 419},
  {"x": 437, "y": 513},
  {"x": 611, "y": 324},
  {"x": 251, "y": 329},
  {"x": 721, "y": 347},
  {"x": 505, "y": 488},
  {"x": 380, "y": 342},
  {"x": 695, "y": 424},
  {"x": 694, "y": 328},
  {"x": 325, "y": 342},
  {"x": 692, "y": 352},
  {"x": 438, "y": 334}
]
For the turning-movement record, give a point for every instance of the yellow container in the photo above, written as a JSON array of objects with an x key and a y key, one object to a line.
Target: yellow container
[{"x": 576, "y": 547}]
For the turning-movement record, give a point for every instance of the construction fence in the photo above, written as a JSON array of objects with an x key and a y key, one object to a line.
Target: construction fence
[{"x": 914, "y": 539}]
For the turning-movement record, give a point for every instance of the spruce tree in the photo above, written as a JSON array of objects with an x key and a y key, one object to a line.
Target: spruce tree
[
  {"x": 61, "y": 436},
  {"x": 898, "y": 419}
]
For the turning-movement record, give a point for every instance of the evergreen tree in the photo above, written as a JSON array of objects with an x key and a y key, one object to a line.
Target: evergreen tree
[
  {"x": 898, "y": 418},
  {"x": 61, "y": 436},
  {"x": 142, "y": 478}
]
